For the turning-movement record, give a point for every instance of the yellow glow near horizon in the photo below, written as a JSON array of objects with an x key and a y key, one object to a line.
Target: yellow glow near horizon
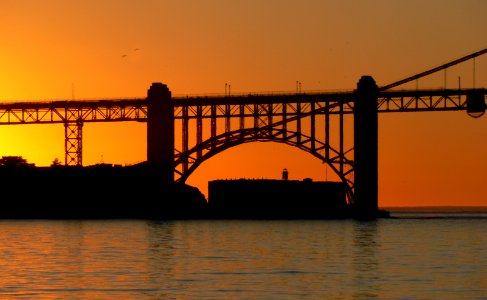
[{"x": 109, "y": 49}]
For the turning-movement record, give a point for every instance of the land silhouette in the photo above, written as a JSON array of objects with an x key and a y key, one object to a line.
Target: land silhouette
[{"x": 106, "y": 191}]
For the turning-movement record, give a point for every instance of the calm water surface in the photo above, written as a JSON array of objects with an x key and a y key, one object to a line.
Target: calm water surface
[{"x": 415, "y": 257}]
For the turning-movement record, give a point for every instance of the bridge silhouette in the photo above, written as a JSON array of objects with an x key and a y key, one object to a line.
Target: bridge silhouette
[{"x": 312, "y": 121}]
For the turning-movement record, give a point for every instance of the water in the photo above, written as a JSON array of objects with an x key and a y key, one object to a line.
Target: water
[{"x": 417, "y": 256}]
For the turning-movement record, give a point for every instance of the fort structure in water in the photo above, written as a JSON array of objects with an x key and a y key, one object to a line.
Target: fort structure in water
[{"x": 277, "y": 199}]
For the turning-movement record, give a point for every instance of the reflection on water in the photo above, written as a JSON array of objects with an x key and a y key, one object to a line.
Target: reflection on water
[
  {"x": 384, "y": 259},
  {"x": 365, "y": 261}
]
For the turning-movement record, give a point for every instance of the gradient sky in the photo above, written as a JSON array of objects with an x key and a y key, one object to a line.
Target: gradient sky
[{"x": 61, "y": 49}]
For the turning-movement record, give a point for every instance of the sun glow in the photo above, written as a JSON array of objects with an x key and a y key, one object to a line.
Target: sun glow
[{"x": 116, "y": 49}]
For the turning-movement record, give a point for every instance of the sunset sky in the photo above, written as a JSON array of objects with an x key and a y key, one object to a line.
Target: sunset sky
[{"x": 93, "y": 49}]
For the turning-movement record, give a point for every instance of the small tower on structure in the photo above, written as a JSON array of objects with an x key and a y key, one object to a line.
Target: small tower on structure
[{"x": 285, "y": 174}]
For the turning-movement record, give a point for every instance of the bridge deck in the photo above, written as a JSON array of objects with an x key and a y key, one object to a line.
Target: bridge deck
[{"x": 135, "y": 109}]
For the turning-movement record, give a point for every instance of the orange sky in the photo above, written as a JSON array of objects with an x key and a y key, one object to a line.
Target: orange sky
[{"x": 58, "y": 49}]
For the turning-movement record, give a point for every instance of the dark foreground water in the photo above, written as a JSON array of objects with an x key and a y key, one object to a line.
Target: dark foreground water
[{"x": 418, "y": 256}]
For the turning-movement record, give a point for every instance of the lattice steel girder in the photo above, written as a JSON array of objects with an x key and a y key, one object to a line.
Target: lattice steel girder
[
  {"x": 71, "y": 111},
  {"x": 73, "y": 132},
  {"x": 262, "y": 112},
  {"x": 136, "y": 109},
  {"x": 425, "y": 100},
  {"x": 392, "y": 101}
]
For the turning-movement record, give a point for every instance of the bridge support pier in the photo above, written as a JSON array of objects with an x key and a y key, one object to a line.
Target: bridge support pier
[
  {"x": 366, "y": 148},
  {"x": 160, "y": 131},
  {"x": 73, "y": 141}
]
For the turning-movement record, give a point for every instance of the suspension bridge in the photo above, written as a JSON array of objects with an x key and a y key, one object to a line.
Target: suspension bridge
[{"x": 183, "y": 132}]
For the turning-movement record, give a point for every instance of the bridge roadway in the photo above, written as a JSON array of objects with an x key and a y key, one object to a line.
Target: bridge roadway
[{"x": 116, "y": 110}]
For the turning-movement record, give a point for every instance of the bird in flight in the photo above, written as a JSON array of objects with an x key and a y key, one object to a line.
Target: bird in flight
[{"x": 135, "y": 49}]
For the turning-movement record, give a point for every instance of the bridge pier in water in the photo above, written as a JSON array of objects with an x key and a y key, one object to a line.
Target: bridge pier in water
[
  {"x": 160, "y": 131},
  {"x": 366, "y": 148}
]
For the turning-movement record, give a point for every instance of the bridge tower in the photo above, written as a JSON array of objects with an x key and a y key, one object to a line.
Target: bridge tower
[
  {"x": 160, "y": 131},
  {"x": 366, "y": 147}
]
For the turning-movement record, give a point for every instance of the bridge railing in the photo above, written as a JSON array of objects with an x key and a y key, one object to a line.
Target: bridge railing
[{"x": 136, "y": 109}]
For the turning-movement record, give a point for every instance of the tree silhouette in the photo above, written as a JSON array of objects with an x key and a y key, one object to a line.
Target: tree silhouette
[
  {"x": 14, "y": 161},
  {"x": 56, "y": 162}
]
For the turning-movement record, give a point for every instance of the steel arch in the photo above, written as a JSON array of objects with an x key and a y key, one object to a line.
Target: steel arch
[{"x": 231, "y": 139}]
